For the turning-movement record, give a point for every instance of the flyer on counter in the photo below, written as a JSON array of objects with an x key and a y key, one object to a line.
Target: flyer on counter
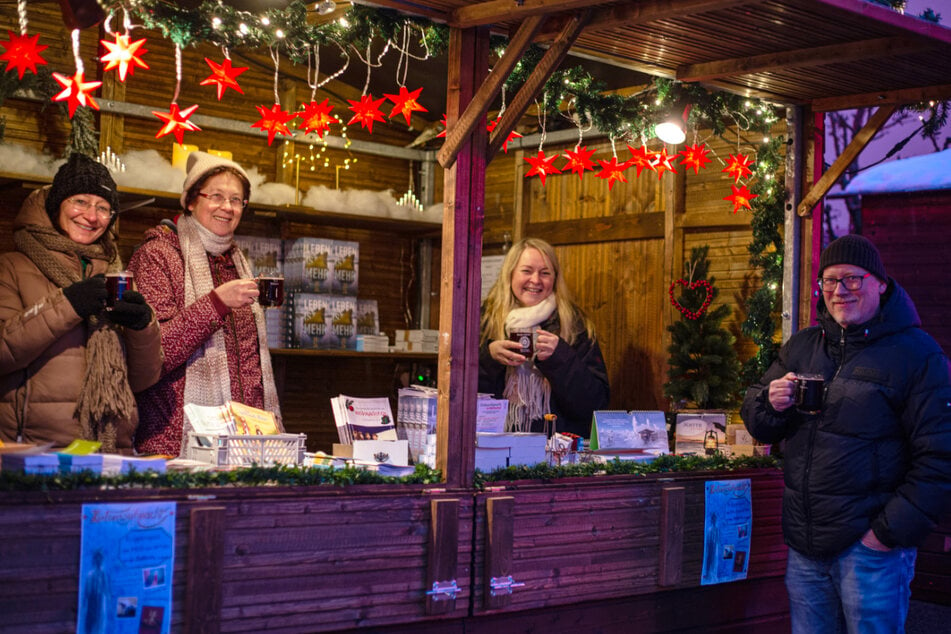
[
  {"x": 125, "y": 568},
  {"x": 726, "y": 531}
]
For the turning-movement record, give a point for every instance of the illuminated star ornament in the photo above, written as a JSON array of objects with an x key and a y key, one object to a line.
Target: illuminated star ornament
[
  {"x": 542, "y": 166},
  {"x": 76, "y": 91},
  {"x": 694, "y": 157},
  {"x": 224, "y": 75},
  {"x": 737, "y": 166},
  {"x": 511, "y": 137},
  {"x": 273, "y": 121},
  {"x": 740, "y": 197},
  {"x": 22, "y": 53},
  {"x": 366, "y": 111},
  {"x": 176, "y": 122},
  {"x": 611, "y": 171},
  {"x": 662, "y": 163},
  {"x": 316, "y": 118},
  {"x": 579, "y": 160},
  {"x": 405, "y": 103},
  {"x": 642, "y": 158},
  {"x": 445, "y": 126},
  {"x": 124, "y": 54}
]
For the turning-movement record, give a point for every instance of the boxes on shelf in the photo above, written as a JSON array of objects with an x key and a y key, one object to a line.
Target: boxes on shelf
[
  {"x": 425, "y": 340},
  {"x": 373, "y": 343},
  {"x": 307, "y": 265},
  {"x": 322, "y": 322},
  {"x": 264, "y": 255},
  {"x": 524, "y": 448},
  {"x": 368, "y": 317},
  {"x": 241, "y": 450},
  {"x": 345, "y": 263}
]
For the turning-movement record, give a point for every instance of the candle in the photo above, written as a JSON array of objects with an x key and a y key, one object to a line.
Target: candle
[
  {"x": 180, "y": 154},
  {"x": 222, "y": 153}
]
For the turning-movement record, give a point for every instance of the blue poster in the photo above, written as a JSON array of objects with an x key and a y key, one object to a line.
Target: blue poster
[
  {"x": 726, "y": 531},
  {"x": 125, "y": 568}
]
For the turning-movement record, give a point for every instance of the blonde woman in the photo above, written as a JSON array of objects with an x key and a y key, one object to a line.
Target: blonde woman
[{"x": 565, "y": 375}]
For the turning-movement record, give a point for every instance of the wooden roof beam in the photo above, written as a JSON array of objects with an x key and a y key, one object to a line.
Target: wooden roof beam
[
  {"x": 852, "y": 150},
  {"x": 482, "y": 13},
  {"x": 872, "y": 99},
  {"x": 799, "y": 58},
  {"x": 529, "y": 90},
  {"x": 473, "y": 115}
]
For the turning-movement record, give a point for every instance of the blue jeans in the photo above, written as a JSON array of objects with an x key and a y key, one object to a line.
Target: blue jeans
[{"x": 859, "y": 591}]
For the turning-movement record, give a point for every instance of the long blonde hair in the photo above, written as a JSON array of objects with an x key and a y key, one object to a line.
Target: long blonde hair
[{"x": 501, "y": 300}]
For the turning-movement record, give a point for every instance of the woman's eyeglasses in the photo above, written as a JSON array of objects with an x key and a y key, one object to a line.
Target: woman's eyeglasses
[
  {"x": 219, "y": 201},
  {"x": 84, "y": 205}
]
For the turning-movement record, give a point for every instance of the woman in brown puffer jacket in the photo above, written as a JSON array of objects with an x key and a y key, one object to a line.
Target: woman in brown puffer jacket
[{"x": 68, "y": 367}]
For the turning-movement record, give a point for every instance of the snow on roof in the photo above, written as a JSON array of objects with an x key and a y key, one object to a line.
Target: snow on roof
[{"x": 927, "y": 172}]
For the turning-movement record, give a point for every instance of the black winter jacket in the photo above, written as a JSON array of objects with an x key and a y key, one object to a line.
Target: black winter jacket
[
  {"x": 879, "y": 454},
  {"x": 577, "y": 374}
]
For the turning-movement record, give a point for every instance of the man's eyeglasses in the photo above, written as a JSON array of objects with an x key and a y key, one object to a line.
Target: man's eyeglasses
[
  {"x": 850, "y": 282},
  {"x": 219, "y": 201},
  {"x": 85, "y": 205}
]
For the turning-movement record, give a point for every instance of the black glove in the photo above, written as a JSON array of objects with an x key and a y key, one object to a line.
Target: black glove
[
  {"x": 88, "y": 296},
  {"x": 131, "y": 311}
]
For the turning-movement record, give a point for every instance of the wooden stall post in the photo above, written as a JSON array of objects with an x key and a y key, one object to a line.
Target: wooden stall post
[
  {"x": 672, "y": 506},
  {"x": 443, "y": 557},
  {"x": 205, "y": 562},
  {"x": 498, "y": 549}
]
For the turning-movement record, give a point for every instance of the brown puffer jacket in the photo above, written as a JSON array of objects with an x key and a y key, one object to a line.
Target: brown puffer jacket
[{"x": 43, "y": 348}]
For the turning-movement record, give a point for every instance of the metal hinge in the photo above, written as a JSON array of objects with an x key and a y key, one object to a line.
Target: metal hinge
[
  {"x": 443, "y": 590},
  {"x": 503, "y": 585}
]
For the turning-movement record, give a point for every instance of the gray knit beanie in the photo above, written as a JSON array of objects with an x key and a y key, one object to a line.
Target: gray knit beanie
[
  {"x": 855, "y": 250},
  {"x": 80, "y": 175}
]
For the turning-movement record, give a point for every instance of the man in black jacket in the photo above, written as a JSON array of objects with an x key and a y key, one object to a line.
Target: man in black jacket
[{"x": 868, "y": 476}]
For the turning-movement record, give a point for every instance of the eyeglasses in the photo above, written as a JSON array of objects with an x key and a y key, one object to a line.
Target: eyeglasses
[
  {"x": 84, "y": 205},
  {"x": 850, "y": 282},
  {"x": 219, "y": 201}
]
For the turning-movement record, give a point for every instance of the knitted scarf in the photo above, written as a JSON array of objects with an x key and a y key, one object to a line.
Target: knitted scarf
[
  {"x": 207, "y": 381},
  {"x": 527, "y": 390},
  {"x": 105, "y": 396}
]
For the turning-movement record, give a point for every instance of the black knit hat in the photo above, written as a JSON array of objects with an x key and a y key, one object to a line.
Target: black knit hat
[
  {"x": 80, "y": 175},
  {"x": 855, "y": 250}
]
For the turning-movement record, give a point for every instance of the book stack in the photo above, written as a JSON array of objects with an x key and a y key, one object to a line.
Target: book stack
[
  {"x": 31, "y": 463},
  {"x": 372, "y": 343},
  {"x": 320, "y": 322},
  {"x": 76, "y": 463},
  {"x": 523, "y": 448},
  {"x": 423, "y": 340},
  {"x": 266, "y": 258}
]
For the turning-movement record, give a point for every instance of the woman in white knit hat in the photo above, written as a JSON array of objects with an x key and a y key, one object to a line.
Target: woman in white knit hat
[{"x": 204, "y": 295}]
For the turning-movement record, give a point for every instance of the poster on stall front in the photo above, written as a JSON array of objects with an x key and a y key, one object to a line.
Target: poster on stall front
[
  {"x": 125, "y": 568},
  {"x": 726, "y": 531}
]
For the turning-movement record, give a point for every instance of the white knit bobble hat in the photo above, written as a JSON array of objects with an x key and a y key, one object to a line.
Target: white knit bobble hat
[{"x": 199, "y": 164}]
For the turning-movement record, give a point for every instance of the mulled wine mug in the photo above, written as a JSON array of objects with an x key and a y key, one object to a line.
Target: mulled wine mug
[
  {"x": 526, "y": 341},
  {"x": 117, "y": 283},
  {"x": 270, "y": 291},
  {"x": 810, "y": 389}
]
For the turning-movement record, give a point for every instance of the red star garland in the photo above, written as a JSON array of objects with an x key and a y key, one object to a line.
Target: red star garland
[
  {"x": 273, "y": 120},
  {"x": 366, "y": 111},
  {"x": 511, "y": 137},
  {"x": 612, "y": 171},
  {"x": 542, "y": 165},
  {"x": 224, "y": 75},
  {"x": 124, "y": 54},
  {"x": 445, "y": 126},
  {"x": 642, "y": 158},
  {"x": 579, "y": 160},
  {"x": 75, "y": 91},
  {"x": 740, "y": 197},
  {"x": 737, "y": 166},
  {"x": 316, "y": 117},
  {"x": 176, "y": 122},
  {"x": 22, "y": 53},
  {"x": 686, "y": 312},
  {"x": 405, "y": 103},
  {"x": 662, "y": 163},
  {"x": 694, "y": 157}
]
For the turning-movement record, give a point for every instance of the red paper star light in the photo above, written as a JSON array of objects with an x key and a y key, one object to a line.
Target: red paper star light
[
  {"x": 273, "y": 120},
  {"x": 511, "y": 137},
  {"x": 737, "y": 166},
  {"x": 224, "y": 75},
  {"x": 642, "y": 158},
  {"x": 124, "y": 54},
  {"x": 612, "y": 171},
  {"x": 662, "y": 163},
  {"x": 176, "y": 122},
  {"x": 405, "y": 103},
  {"x": 316, "y": 117},
  {"x": 445, "y": 126},
  {"x": 579, "y": 160},
  {"x": 22, "y": 53},
  {"x": 366, "y": 111},
  {"x": 740, "y": 197},
  {"x": 75, "y": 91},
  {"x": 695, "y": 157},
  {"x": 542, "y": 166}
]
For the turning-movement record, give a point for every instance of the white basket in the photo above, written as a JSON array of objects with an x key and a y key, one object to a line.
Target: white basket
[{"x": 243, "y": 450}]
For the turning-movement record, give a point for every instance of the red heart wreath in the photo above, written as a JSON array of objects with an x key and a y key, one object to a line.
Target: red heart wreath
[{"x": 686, "y": 312}]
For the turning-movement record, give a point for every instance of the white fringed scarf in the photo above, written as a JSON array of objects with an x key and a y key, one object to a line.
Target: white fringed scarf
[
  {"x": 527, "y": 390},
  {"x": 207, "y": 381}
]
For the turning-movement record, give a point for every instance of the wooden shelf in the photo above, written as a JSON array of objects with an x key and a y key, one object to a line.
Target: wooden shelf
[{"x": 352, "y": 354}]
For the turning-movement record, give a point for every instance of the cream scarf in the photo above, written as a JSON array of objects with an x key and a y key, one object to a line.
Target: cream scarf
[
  {"x": 527, "y": 390},
  {"x": 207, "y": 381}
]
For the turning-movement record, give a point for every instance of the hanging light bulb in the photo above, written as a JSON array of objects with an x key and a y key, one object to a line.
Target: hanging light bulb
[
  {"x": 326, "y": 7},
  {"x": 672, "y": 130}
]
